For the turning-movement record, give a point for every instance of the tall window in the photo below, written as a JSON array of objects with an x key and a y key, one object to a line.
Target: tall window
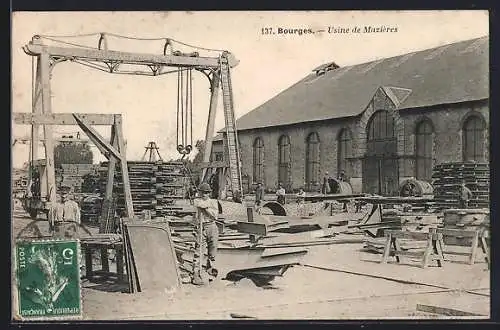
[
  {"x": 423, "y": 150},
  {"x": 312, "y": 160},
  {"x": 473, "y": 139},
  {"x": 258, "y": 160},
  {"x": 344, "y": 150},
  {"x": 284, "y": 160}
]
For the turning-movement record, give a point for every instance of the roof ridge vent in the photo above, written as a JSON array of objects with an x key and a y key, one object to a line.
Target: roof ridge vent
[{"x": 322, "y": 69}]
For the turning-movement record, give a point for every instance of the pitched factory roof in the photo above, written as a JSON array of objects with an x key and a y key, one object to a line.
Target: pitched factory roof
[{"x": 447, "y": 74}]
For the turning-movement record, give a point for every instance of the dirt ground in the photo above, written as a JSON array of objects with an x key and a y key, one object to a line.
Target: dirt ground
[{"x": 311, "y": 290}]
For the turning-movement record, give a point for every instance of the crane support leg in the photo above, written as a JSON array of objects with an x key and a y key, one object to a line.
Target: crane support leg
[
  {"x": 214, "y": 88},
  {"x": 49, "y": 143}
]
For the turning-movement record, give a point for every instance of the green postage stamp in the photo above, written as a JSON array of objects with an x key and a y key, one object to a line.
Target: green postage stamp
[{"x": 48, "y": 279}]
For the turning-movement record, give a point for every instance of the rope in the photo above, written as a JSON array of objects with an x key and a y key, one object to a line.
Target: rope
[
  {"x": 191, "y": 108},
  {"x": 68, "y": 43}
]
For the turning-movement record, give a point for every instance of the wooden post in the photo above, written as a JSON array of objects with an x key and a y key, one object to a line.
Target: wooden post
[
  {"x": 47, "y": 109},
  {"x": 36, "y": 109},
  {"x": 123, "y": 162},
  {"x": 109, "y": 185},
  {"x": 212, "y": 111},
  {"x": 253, "y": 239}
]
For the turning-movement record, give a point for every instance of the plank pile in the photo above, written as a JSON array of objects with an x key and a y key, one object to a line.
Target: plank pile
[
  {"x": 155, "y": 187},
  {"x": 447, "y": 178}
]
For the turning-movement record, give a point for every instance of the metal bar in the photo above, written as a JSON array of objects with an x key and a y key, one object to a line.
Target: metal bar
[
  {"x": 209, "y": 135},
  {"x": 37, "y": 118},
  {"x": 124, "y": 169},
  {"x": 124, "y": 57},
  {"x": 49, "y": 143},
  {"x": 96, "y": 137}
]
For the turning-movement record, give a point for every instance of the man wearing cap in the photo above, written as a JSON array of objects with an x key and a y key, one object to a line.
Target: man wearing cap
[
  {"x": 207, "y": 213},
  {"x": 65, "y": 216}
]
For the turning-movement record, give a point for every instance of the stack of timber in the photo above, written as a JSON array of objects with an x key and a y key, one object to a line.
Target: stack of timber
[
  {"x": 156, "y": 186},
  {"x": 467, "y": 220},
  {"x": 91, "y": 207},
  {"x": 71, "y": 175},
  {"x": 447, "y": 178}
]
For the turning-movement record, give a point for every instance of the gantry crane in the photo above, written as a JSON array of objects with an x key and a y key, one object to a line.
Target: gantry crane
[{"x": 216, "y": 69}]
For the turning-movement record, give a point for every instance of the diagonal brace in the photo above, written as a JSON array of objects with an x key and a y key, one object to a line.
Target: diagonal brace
[{"x": 97, "y": 138}]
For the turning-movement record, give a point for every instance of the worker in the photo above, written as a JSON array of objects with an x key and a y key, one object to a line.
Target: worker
[
  {"x": 214, "y": 185},
  {"x": 280, "y": 193},
  {"x": 301, "y": 198},
  {"x": 65, "y": 215},
  {"x": 465, "y": 196},
  {"x": 259, "y": 194},
  {"x": 207, "y": 213},
  {"x": 324, "y": 187},
  {"x": 342, "y": 176}
]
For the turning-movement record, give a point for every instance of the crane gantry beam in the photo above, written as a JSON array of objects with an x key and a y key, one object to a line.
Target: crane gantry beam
[{"x": 35, "y": 48}]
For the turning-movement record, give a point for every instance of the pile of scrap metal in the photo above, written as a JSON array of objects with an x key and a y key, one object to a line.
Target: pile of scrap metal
[
  {"x": 256, "y": 263},
  {"x": 447, "y": 178},
  {"x": 160, "y": 187}
]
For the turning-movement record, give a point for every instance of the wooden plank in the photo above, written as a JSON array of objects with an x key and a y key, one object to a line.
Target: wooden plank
[
  {"x": 252, "y": 228},
  {"x": 26, "y": 118},
  {"x": 410, "y": 254},
  {"x": 444, "y": 311},
  {"x": 407, "y": 234},
  {"x": 456, "y": 232}
]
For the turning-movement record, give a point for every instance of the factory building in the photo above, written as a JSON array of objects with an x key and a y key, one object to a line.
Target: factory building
[{"x": 381, "y": 122}]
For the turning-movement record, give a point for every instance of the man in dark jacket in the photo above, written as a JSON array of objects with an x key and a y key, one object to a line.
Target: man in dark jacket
[{"x": 464, "y": 196}]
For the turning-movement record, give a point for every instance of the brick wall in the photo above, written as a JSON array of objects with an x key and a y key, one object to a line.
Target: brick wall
[{"x": 447, "y": 121}]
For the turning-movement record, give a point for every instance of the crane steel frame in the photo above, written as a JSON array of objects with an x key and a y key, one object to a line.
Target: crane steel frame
[{"x": 41, "y": 115}]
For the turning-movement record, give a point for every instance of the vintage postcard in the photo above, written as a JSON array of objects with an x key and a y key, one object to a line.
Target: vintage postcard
[{"x": 250, "y": 165}]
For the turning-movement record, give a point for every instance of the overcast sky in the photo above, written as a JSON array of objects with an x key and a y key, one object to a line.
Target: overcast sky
[{"x": 268, "y": 63}]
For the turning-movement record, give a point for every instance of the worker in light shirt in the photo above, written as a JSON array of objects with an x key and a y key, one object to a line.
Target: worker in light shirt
[
  {"x": 64, "y": 216},
  {"x": 207, "y": 213}
]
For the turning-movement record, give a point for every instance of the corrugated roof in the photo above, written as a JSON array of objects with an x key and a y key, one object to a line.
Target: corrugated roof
[{"x": 451, "y": 73}]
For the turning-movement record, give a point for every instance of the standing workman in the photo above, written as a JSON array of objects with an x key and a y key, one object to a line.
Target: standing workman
[
  {"x": 324, "y": 187},
  {"x": 64, "y": 215},
  {"x": 301, "y": 198},
  {"x": 280, "y": 194},
  {"x": 465, "y": 196},
  {"x": 259, "y": 194},
  {"x": 207, "y": 213}
]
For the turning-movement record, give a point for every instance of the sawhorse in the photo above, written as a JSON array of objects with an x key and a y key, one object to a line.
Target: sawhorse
[
  {"x": 477, "y": 240},
  {"x": 432, "y": 251}
]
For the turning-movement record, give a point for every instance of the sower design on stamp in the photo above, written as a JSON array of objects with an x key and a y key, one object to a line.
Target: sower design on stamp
[{"x": 48, "y": 279}]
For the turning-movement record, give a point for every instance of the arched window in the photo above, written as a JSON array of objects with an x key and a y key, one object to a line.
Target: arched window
[
  {"x": 473, "y": 139},
  {"x": 284, "y": 160},
  {"x": 380, "y": 165},
  {"x": 344, "y": 151},
  {"x": 258, "y": 160},
  {"x": 312, "y": 160},
  {"x": 423, "y": 150}
]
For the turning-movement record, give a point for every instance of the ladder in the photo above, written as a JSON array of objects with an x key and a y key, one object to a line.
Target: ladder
[{"x": 231, "y": 140}]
